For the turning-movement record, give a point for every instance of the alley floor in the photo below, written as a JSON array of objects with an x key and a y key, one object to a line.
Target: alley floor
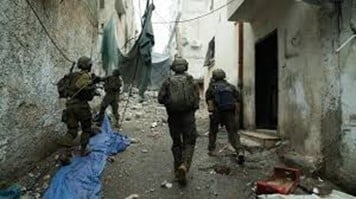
[
  {"x": 147, "y": 163},
  {"x": 144, "y": 169}
]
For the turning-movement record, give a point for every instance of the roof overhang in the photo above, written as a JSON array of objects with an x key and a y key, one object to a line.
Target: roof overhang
[
  {"x": 248, "y": 10},
  {"x": 245, "y": 10}
]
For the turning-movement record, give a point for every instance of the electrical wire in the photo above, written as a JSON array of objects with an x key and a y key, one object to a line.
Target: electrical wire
[
  {"x": 47, "y": 33},
  {"x": 198, "y": 17}
]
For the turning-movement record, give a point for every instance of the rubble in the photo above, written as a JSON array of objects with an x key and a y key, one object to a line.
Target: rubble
[
  {"x": 111, "y": 159},
  {"x": 154, "y": 125},
  {"x": 133, "y": 196},
  {"x": 134, "y": 141},
  {"x": 166, "y": 184},
  {"x": 138, "y": 115},
  {"x": 47, "y": 177}
]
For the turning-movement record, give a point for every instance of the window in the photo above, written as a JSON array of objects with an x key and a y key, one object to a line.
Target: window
[
  {"x": 212, "y": 5},
  {"x": 102, "y": 4}
]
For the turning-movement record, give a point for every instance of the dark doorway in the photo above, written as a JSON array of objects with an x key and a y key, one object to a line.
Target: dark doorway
[{"x": 266, "y": 81}]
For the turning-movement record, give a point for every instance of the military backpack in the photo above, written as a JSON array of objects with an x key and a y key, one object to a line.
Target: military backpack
[
  {"x": 224, "y": 98},
  {"x": 65, "y": 85},
  {"x": 182, "y": 94}
]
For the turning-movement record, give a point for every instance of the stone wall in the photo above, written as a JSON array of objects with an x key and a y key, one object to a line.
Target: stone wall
[
  {"x": 316, "y": 95},
  {"x": 30, "y": 66},
  {"x": 194, "y": 36},
  {"x": 343, "y": 166},
  {"x": 300, "y": 72}
]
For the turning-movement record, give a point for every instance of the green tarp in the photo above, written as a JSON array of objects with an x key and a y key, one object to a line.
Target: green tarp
[{"x": 136, "y": 65}]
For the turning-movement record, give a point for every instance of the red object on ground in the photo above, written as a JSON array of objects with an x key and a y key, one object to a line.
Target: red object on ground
[{"x": 283, "y": 181}]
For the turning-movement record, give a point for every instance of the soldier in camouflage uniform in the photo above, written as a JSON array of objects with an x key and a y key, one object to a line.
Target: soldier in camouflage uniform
[
  {"x": 112, "y": 85},
  {"x": 181, "y": 122},
  {"x": 223, "y": 101},
  {"x": 77, "y": 107}
]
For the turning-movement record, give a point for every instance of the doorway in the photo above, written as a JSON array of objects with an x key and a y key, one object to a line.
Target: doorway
[{"x": 266, "y": 82}]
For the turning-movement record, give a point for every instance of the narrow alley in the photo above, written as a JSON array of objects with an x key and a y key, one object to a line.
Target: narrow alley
[
  {"x": 177, "y": 99},
  {"x": 146, "y": 167}
]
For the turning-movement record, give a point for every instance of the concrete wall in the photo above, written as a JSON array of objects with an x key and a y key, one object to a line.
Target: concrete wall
[
  {"x": 194, "y": 36},
  {"x": 345, "y": 164},
  {"x": 316, "y": 99},
  {"x": 302, "y": 69},
  {"x": 30, "y": 66},
  {"x": 126, "y": 26},
  {"x": 226, "y": 49}
]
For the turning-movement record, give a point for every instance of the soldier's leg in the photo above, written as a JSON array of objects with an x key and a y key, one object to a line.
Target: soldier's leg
[
  {"x": 67, "y": 141},
  {"x": 72, "y": 127},
  {"x": 189, "y": 139},
  {"x": 104, "y": 104},
  {"x": 234, "y": 137},
  {"x": 86, "y": 124},
  {"x": 213, "y": 130},
  {"x": 177, "y": 142},
  {"x": 115, "y": 108}
]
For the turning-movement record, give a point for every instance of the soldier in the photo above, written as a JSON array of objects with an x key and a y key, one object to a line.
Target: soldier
[
  {"x": 82, "y": 90},
  {"x": 223, "y": 102},
  {"x": 112, "y": 85},
  {"x": 180, "y": 96}
]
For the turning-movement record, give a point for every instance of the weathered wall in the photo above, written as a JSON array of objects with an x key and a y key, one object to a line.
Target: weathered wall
[
  {"x": 300, "y": 72},
  {"x": 30, "y": 66},
  {"x": 316, "y": 99},
  {"x": 126, "y": 26},
  {"x": 248, "y": 91},
  {"x": 226, "y": 40},
  {"x": 345, "y": 163},
  {"x": 194, "y": 36}
]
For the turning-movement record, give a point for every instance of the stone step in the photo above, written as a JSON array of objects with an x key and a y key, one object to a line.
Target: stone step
[
  {"x": 251, "y": 145},
  {"x": 267, "y": 140},
  {"x": 267, "y": 131}
]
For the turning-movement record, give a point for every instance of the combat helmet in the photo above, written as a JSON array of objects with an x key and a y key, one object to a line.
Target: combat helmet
[
  {"x": 219, "y": 74},
  {"x": 179, "y": 65},
  {"x": 116, "y": 72},
  {"x": 84, "y": 63}
]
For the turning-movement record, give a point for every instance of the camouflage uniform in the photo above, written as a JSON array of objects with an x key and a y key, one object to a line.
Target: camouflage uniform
[
  {"x": 77, "y": 107},
  {"x": 182, "y": 130},
  {"x": 228, "y": 118},
  {"x": 112, "y": 85}
]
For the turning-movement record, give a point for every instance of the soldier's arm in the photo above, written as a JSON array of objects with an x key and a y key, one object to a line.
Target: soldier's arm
[
  {"x": 237, "y": 97},
  {"x": 209, "y": 98},
  {"x": 162, "y": 94},
  {"x": 209, "y": 94},
  {"x": 84, "y": 82}
]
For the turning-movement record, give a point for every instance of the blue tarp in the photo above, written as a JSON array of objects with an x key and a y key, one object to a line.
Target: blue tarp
[
  {"x": 82, "y": 178},
  {"x": 13, "y": 192}
]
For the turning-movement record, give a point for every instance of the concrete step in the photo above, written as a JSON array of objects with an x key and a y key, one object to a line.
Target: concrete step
[
  {"x": 267, "y": 131},
  {"x": 266, "y": 140},
  {"x": 251, "y": 145}
]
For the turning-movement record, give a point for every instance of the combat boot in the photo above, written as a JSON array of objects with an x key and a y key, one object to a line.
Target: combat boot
[
  {"x": 66, "y": 140},
  {"x": 240, "y": 158},
  {"x": 84, "y": 151},
  {"x": 182, "y": 175}
]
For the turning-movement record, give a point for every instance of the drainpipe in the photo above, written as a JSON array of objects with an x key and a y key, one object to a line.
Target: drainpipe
[{"x": 240, "y": 69}]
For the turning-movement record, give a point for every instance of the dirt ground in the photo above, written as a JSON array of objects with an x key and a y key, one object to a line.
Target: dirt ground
[{"x": 147, "y": 163}]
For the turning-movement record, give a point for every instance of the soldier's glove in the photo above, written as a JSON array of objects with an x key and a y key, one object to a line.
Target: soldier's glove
[
  {"x": 210, "y": 106},
  {"x": 96, "y": 79},
  {"x": 97, "y": 93}
]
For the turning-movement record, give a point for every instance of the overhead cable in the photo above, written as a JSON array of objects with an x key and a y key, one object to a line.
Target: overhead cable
[
  {"x": 47, "y": 33},
  {"x": 197, "y": 17}
]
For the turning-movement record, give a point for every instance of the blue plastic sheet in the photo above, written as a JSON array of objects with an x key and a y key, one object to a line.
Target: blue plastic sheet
[
  {"x": 13, "y": 192},
  {"x": 82, "y": 178}
]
